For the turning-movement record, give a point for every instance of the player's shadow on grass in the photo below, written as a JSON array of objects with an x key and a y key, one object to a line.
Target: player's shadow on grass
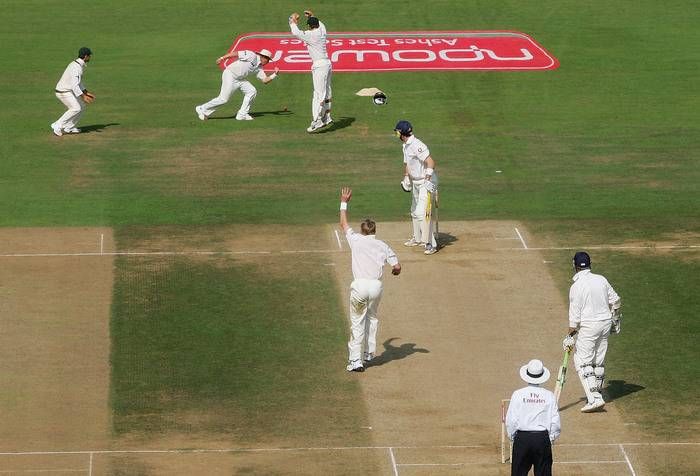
[
  {"x": 392, "y": 352},
  {"x": 619, "y": 388},
  {"x": 256, "y": 114},
  {"x": 96, "y": 127},
  {"x": 341, "y": 123}
]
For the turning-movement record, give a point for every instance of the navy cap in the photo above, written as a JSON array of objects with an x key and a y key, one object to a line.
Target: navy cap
[
  {"x": 312, "y": 22},
  {"x": 404, "y": 127},
  {"x": 84, "y": 51},
  {"x": 582, "y": 260}
]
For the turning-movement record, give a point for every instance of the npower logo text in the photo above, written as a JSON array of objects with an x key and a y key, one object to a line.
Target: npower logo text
[{"x": 408, "y": 51}]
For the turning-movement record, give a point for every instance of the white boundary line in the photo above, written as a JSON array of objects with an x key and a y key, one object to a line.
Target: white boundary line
[
  {"x": 629, "y": 463},
  {"x": 521, "y": 237}
]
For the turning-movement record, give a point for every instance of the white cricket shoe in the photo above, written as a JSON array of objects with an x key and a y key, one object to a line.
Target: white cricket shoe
[
  {"x": 315, "y": 125},
  {"x": 368, "y": 356},
  {"x": 244, "y": 117},
  {"x": 327, "y": 120},
  {"x": 595, "y": 405},
  {"x": 72, "y": 130},
  {"x": 355, "y": 366},
  {"x": 430, "y": 249},
  {"x": 412, "y": 242},
  {"x": 56, "y": 130},
  {"x": 200, "y": 113}
]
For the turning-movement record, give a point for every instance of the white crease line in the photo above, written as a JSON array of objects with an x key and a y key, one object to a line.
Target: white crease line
[
  {"x": 15, "y": 471},
  {"x": 102, "y": 243},
  {"x": 90, "y": 467},
  {"x": 521, "y": 238},
  {"x": 393, "y": 462},
  {"x": 612, "y": 247},
  {"x": 629, "y": 463},
  {"x": 612, "y": 461},
  {"x": 337, "y": 237}
]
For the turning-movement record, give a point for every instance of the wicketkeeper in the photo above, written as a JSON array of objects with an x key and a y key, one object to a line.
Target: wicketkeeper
[{"x": 594, "y": 310}]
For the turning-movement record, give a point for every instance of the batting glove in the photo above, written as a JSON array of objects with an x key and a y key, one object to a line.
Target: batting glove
[
  {"x": 430, "y": 186},
  {"x": 568, "y": 342}
]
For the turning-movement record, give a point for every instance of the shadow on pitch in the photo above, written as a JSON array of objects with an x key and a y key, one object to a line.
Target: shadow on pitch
[
  {"x": 338, "y": 124},
  {"x": 96, "y": 127},
  {"x": 393, "y": 352},
  {"x": 445, "y": 239}
]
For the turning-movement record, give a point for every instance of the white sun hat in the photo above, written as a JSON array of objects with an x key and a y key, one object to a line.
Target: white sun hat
[
  {"x": 534, "y": 372},
  {"x": 265, "y": 53}
]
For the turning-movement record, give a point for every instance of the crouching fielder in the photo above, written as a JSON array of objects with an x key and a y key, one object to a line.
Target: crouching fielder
[
  {"x": 594, "y": 309},
  {"x": 368, "y": 258},
  {"x": 233, "y": 78}
]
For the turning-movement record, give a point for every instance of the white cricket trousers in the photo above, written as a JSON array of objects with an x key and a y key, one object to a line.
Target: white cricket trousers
[
  {"x": 229, "y": 85},
  {"x": 365, "y": 295},
  {"x": 75, "y": 106},
  {"x": 321, "y": 72},
  {"x": 589, "y": 358},
  {"x": 423, "y": 229}
]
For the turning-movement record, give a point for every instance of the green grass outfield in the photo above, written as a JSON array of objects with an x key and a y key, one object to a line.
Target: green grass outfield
[{"x": 608, "y": 144}]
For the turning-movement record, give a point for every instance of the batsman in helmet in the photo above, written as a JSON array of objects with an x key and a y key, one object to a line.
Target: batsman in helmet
[{"x": 421, "y": 180}]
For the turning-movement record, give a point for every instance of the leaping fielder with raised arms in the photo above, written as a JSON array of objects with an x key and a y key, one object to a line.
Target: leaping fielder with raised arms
[{"x": 321, "y": 71}]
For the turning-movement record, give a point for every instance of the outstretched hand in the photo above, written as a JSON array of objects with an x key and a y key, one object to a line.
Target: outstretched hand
[
  {"x": 294, "y": 17},
  {"x": 345, "y": 194}
]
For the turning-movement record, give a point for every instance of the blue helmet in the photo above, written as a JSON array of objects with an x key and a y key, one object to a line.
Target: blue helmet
[{"x": 404, "y": 128}]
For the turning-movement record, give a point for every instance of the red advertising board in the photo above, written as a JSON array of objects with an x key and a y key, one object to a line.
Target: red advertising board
[{"x": 408, "y": 51}]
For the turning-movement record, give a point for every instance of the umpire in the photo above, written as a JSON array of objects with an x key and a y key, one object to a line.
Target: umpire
[{"x": 532, "y": 422}]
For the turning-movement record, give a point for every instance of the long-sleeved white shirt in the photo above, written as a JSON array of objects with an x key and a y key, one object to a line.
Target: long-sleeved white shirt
[
  {"x": 72, "y": 78},
  {"x": 415, "y": 153},
  {"x": 590, "y": 298},
  {"x": 533, "y": 408},
  {"x": 369, "y": 255},
  {"x": 248, "y": 62},
  {"x": 314, "y": 39}
]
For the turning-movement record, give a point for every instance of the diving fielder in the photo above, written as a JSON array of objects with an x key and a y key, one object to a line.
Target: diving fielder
[
  {"x": 594, "y": 309},
  {"x": 73, "y": 94},
  {"x": 321, "y": 71},
  {"x": 420, "y": 179},
  {"x": 368, "y": 258}
]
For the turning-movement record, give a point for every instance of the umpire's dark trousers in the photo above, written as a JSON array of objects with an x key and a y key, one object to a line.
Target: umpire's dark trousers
[{"x": 531, "y": 448}]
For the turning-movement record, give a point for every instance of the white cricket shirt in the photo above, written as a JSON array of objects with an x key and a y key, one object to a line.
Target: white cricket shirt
[
  {"x": 72, "y": 79},
  {"x": 248, "y": 62},
  {"x": 415, "y": 152},
  {"x": 314, "y": 39},
  {"x": 369, "y": 255},
  {"x": 533, "y": 408},
  {"x": 590, "y": 298}
]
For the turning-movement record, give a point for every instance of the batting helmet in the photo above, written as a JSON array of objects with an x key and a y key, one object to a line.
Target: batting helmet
[
  {"x": 404, "y": 128},
  {"x": 582, "y": 260},
  {"x": 379, "y": 98}
]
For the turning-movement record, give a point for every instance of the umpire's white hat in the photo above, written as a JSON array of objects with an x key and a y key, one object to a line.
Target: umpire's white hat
[{"x": 534, "y": 372}]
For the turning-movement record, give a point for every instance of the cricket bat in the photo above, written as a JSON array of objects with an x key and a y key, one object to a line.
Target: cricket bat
[{"x": 561, "y": 378}]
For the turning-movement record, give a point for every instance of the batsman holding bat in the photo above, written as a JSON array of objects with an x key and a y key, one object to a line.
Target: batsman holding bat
[
  {"x": 421, "y": 179},
  {"x": 73, "y": 94},
  {"x": 594, "y": 311}
]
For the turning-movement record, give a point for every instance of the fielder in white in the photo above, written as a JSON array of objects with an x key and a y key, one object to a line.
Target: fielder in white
[
  {"x": 321, "y": 71},
  {"x": 421, "y": 179},
  {"x": 369, "y": 255},
  {"x": 594, "y": 309},
  {"x": 72, "y": 93},
  {"x": 233, "y": 78}
]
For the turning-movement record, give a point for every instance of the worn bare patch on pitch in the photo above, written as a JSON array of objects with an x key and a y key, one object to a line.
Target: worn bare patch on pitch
[
  {"x": 454, "y": 329},
  {"x": 54, "y": 344}
]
